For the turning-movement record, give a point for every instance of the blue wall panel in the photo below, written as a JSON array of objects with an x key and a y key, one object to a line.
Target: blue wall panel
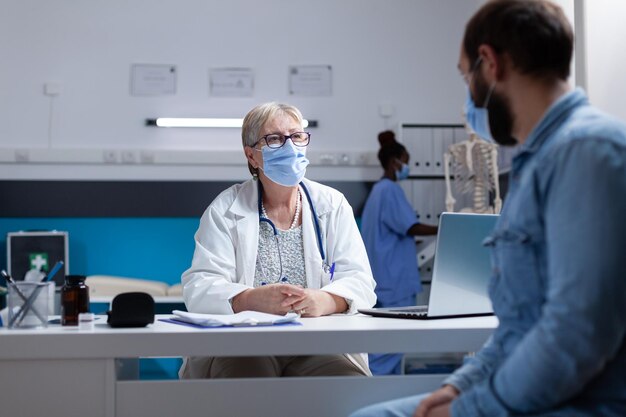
[{"x": 150, "y": 248}]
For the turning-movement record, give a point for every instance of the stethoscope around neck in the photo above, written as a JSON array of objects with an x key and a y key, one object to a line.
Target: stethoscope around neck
[{"x": 318, "y": 230}]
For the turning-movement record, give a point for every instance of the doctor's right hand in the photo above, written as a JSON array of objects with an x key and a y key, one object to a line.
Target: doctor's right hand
[{"x": 267, "y": 298}]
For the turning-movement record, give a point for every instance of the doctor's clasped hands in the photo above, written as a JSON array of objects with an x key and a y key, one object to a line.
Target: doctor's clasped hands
[{"x": 285, "y": 298}]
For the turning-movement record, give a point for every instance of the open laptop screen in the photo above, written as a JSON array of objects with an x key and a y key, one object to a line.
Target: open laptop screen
[{"x": 462, "y": 265}]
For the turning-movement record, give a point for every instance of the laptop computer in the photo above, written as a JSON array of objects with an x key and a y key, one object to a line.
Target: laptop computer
[{"x": 461, "y": 272}]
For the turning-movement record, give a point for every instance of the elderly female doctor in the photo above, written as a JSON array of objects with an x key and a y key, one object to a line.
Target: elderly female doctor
[{"x": 278, "y": 243}]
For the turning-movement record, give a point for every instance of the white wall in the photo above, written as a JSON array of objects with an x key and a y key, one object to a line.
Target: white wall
[
  {"x": 402, "y": 52},
  {"x": 605, "y": 55}
]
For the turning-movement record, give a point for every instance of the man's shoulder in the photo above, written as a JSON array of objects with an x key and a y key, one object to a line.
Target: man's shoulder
[
  {"x": 587, "y": 141},
  {"x": 590, "y": 123},
  {"x": 586, "y": 132}
]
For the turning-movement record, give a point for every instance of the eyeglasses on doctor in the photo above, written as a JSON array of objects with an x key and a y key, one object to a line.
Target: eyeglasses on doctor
[{"x": 274, "y": 140}]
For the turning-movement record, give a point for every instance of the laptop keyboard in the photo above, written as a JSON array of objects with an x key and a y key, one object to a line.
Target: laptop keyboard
[{"x": 415, "y": 311}]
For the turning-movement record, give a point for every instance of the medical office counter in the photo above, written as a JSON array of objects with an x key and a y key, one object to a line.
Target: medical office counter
[{"x": 64, "y": 371}]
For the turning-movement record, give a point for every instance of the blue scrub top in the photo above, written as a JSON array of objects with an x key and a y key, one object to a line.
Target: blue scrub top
[{"x": 387, "y": 216}]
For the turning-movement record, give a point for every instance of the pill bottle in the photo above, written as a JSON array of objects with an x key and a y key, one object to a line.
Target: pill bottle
[
  {"x": 86, "y": 321},
  {"x": 74, "y": 299}
]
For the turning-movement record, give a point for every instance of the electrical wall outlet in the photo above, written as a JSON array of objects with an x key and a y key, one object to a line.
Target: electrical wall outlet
[
  {"x": 109, "y": 156},
  {"x": 52, "y": 88},
  {"x": 146, "y": 157},
  {"x": 22, "y": 155},
  {"x": 129, "y": 157},
  {"x": 327, "y": 159},
  {"x": 385, "y": 109}
]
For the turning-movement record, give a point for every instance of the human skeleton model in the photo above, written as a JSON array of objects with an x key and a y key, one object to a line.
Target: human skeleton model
[{"x": 475, "y": 166}]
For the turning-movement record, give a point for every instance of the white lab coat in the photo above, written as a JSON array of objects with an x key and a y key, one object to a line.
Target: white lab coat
[{"x": 224, "y": 259}]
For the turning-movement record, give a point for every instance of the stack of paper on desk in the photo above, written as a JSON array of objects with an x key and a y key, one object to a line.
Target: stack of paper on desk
[{"x": 243, "y": 318}]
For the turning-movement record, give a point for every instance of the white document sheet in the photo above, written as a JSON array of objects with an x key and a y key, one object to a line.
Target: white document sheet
[{"x": 243, "y": 318}]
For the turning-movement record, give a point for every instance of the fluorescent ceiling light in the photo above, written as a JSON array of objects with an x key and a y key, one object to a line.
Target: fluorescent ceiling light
[
  {"x": 205, "y": 122},
  {"x": 197, "y": 122}
]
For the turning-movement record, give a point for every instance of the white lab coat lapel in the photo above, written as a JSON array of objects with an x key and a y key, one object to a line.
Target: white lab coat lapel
[
  {"x": 312, "y": 258},
  {"x": 245, "y": 209}
]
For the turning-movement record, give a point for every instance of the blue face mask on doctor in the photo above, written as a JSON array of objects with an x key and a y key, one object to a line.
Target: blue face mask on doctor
[{"x": 286, "y": 165}]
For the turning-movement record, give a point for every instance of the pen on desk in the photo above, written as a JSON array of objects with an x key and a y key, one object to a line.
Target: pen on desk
[
  {"x": 332, "y": 271},
  {"x": 27, "y": 300},
  {"x": 10, "y": 280},
  {"x": 6, "y": 276},
  {"x": 53, "y": 271},
  {"x": 28, "y": 305}
]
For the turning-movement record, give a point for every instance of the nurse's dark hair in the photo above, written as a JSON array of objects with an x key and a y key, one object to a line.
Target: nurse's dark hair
[
  {"x": 535, "y": 34},
  {"x": 389, "y": 148}
]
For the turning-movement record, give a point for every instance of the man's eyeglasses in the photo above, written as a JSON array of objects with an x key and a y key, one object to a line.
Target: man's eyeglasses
[
  {"x": 470, "y": 75},
  {"x": 275, "y": 140}
]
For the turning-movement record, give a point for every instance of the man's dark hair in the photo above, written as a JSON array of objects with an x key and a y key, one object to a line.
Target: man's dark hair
[
  {"x": 535, "y": 34},
  {"x": 389, "y": 148}
]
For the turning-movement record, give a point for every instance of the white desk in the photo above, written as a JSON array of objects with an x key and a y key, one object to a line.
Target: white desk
[{"x": 63, "y": 371}]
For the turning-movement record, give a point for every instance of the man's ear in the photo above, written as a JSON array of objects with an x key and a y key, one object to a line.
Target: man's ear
[{"x": 494, "y": 64}]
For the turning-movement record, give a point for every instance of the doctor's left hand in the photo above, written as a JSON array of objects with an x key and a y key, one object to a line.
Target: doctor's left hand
[
  {"x": 267, "y": 298},
  {"x": 315, "y": 303}
]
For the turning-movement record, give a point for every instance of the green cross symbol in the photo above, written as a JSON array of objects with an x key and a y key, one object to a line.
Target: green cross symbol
[{"x": 38, "y": 261}]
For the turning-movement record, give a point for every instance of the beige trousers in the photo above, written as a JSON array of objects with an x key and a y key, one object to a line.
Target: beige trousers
[{"x": 274, "y": 366}]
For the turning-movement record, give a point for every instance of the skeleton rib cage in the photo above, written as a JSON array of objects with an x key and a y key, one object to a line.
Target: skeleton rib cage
[{"x": 474, "y": 164}]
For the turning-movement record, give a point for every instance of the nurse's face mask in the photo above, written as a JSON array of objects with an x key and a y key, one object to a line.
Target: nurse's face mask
[
  {"x": 284, "y": 157},
  {"x": 403, "y": 172},
  {"x": 493, "y": 121}
]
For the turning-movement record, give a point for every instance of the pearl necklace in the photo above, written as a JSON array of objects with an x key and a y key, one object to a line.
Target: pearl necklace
[{"x": 296, "y": 215}]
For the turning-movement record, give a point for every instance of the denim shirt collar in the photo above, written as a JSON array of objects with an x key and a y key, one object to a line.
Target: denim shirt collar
[{"x": 551, "y": 120}]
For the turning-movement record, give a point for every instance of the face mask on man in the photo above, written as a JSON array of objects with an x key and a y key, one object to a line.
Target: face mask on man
[
  {"x": 493, "y": 121},
  {"x": 285, "y": 165},
  {"x": 477, "y": 117},
  {"x": 403, "y": 172}
]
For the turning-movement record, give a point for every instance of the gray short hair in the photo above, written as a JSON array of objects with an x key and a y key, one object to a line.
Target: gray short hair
[{"x": 258, "y": 116}]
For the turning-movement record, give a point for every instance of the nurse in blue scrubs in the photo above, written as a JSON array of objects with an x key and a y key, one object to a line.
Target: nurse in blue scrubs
[{"x": 389, "y": 224}]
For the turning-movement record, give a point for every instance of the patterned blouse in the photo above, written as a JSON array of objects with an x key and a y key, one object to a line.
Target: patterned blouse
[{"x": 289, "y": 249}]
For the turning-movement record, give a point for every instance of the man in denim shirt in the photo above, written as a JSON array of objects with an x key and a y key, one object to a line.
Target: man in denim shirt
[{"x": 558, "y": 250}]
